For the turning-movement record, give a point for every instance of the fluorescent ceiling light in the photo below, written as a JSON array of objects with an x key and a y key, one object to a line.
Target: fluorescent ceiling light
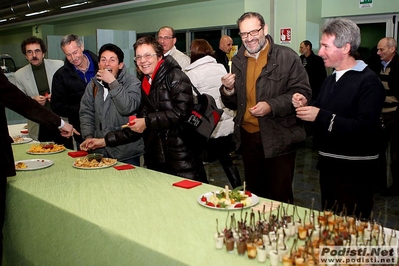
[
  {"x": 73, "y": 5},
  {"x": 36, "y": 13}
]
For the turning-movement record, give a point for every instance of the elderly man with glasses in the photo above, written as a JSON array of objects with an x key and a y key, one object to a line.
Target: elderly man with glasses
[
  {"x": 264, "y": 77},
  {"x": 167, "y": 38},
  {"x": 35, "y": 80}
]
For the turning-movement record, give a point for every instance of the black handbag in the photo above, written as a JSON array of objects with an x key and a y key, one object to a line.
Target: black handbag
[{"x": 205, "y": 115}]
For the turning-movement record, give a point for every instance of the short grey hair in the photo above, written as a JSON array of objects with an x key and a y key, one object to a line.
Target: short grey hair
[
  {"x": 67, "y": 39},
  {"x": 345, "y": 31},
  {"x": 391, "y": 42}
]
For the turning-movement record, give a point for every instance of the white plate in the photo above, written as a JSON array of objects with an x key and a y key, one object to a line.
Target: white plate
[
  {"x": 35, "y": 164},
  {"x": 94, "y": 168},
  {"x": 22, "y": 141},
  {"x": 44, "y": 153},
  {"x": 254, "y": 201}
]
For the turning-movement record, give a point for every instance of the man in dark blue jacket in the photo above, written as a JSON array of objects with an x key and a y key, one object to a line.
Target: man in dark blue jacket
[{"x": 69, "y": 82}]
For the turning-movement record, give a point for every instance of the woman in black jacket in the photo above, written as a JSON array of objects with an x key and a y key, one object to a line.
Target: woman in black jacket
[{"x": 167, "y": 100}]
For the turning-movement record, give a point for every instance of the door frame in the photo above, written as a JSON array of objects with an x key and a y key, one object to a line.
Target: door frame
[{"x": 391, "y": 27}]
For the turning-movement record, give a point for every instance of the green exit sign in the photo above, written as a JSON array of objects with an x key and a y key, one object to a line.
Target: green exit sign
[{"x": 365, "y": 3}]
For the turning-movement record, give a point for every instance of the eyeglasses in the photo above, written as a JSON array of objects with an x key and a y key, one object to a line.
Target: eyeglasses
[
  {"x": 30, "y": 52},
  {"x": 244, "y": 35},
  {"x": 164, "y": 38},
  {"x": 145, "y": 56}
]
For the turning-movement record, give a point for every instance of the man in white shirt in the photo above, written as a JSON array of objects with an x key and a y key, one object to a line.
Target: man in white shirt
[{"x": 167, "y": 38}]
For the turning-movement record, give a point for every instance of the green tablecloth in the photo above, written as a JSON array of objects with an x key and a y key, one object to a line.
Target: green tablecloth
[{"x": 66, "y": 216}]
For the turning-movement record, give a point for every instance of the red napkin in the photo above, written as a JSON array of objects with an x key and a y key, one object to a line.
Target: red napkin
[
  {"x": 187, "y": 184},
  {"x": 75, "y": 154},
  {"x": 131, "y": 120},
  {"x": 124, "y": 167}
]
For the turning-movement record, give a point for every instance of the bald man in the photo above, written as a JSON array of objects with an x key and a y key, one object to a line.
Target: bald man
[
  {"x": 225, "y": 46},
  {"x": 387, "y": 69}
]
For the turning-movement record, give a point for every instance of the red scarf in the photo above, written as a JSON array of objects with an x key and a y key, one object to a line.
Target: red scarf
[{"x": 146, "y": 84}]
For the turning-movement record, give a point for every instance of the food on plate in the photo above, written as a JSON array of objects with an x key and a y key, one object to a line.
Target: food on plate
[
  {"x": 20, "y": 165},
  {"x": 93, "y": 163},
  {"x": 17, "y": 139},
  {"x": 226, "y": 198},
  {"x": 46, "y": 148}
]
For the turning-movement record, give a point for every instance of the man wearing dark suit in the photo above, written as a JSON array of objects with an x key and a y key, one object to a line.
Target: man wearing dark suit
[
  {"x": 14, "y": 99},
  {"x": 314, "y": 66},
  {"x": 225, "y": 46}
]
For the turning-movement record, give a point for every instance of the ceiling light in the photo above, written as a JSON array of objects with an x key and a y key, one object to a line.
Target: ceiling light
[
  {"x": 73, "y": 5},
  {"x": 36, "y": 13},
  {"x": 3, "y": 20}
]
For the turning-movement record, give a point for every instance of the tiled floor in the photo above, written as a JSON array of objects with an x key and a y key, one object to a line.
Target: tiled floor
[{"x": 306, "y": 186}]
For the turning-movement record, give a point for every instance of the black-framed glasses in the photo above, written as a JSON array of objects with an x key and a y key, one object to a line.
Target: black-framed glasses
[
  {"x": 244, "y": 35},
  {"x": 145, "y": 56},
  {"x": 164, "y": 38},
  {"x": 30, "y": 52}
]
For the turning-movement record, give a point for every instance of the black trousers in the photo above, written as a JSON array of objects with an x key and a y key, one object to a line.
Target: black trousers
[
  {"x": 267, "y": 177},
  {"x": 350, "y": 183}
]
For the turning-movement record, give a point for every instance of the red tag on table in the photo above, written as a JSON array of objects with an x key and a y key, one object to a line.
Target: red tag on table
[
  {"x": 124, "y": 167},
  {"x": 187, "y": 184},
  {"x": 75, "y": 154}
]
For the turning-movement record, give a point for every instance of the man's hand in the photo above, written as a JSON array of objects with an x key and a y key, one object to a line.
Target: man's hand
[
  {"x": 228, "y": 81},
  {"x": 67, "y": 130},
  {"x": 307, "y": 113},
  {"x": 260, "y": 109},
  {"x": 92, "y": 144},
  {"x": 40, "y": 99},
  {"x": 298, "y": 100}
]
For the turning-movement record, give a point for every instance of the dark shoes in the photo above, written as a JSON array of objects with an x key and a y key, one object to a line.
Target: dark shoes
[{"x": 391, "y": 191}]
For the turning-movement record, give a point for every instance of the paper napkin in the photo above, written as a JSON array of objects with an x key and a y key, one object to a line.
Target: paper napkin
[
  {"x": 124, "y": 167},
  {"x": 75, "y": 154},
  {"x": 187, "y": 184}
]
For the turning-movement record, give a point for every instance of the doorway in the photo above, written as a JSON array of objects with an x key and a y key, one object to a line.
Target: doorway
[{"x": 372, "y": 29}]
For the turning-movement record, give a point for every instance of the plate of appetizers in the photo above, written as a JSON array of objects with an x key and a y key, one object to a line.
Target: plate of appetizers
[
  {"x": 46, "y": 148},
  {"x": 91, "y": 164},
  {"x": 20, "y": 140},
  {"x": 232, "y": 200},
  {"x": 34, "y": 164}
]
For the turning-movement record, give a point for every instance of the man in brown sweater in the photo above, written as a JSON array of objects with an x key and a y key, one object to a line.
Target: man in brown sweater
[{"x": 264, "y": 77}]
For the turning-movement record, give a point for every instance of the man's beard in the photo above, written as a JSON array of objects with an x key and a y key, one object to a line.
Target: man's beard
[{"x": 261, "y": 44}]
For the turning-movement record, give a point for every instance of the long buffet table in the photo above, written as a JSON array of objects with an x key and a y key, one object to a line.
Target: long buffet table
[{"x": 61, "y": 215}]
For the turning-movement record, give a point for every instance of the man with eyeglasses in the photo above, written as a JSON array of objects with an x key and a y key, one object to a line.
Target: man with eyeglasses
[
  {"x": 167, "y": 38},
  {"x": 35, "y": 80},
  {"x": 70, "y": 81},
  {"x": 264, "y": 77}
]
